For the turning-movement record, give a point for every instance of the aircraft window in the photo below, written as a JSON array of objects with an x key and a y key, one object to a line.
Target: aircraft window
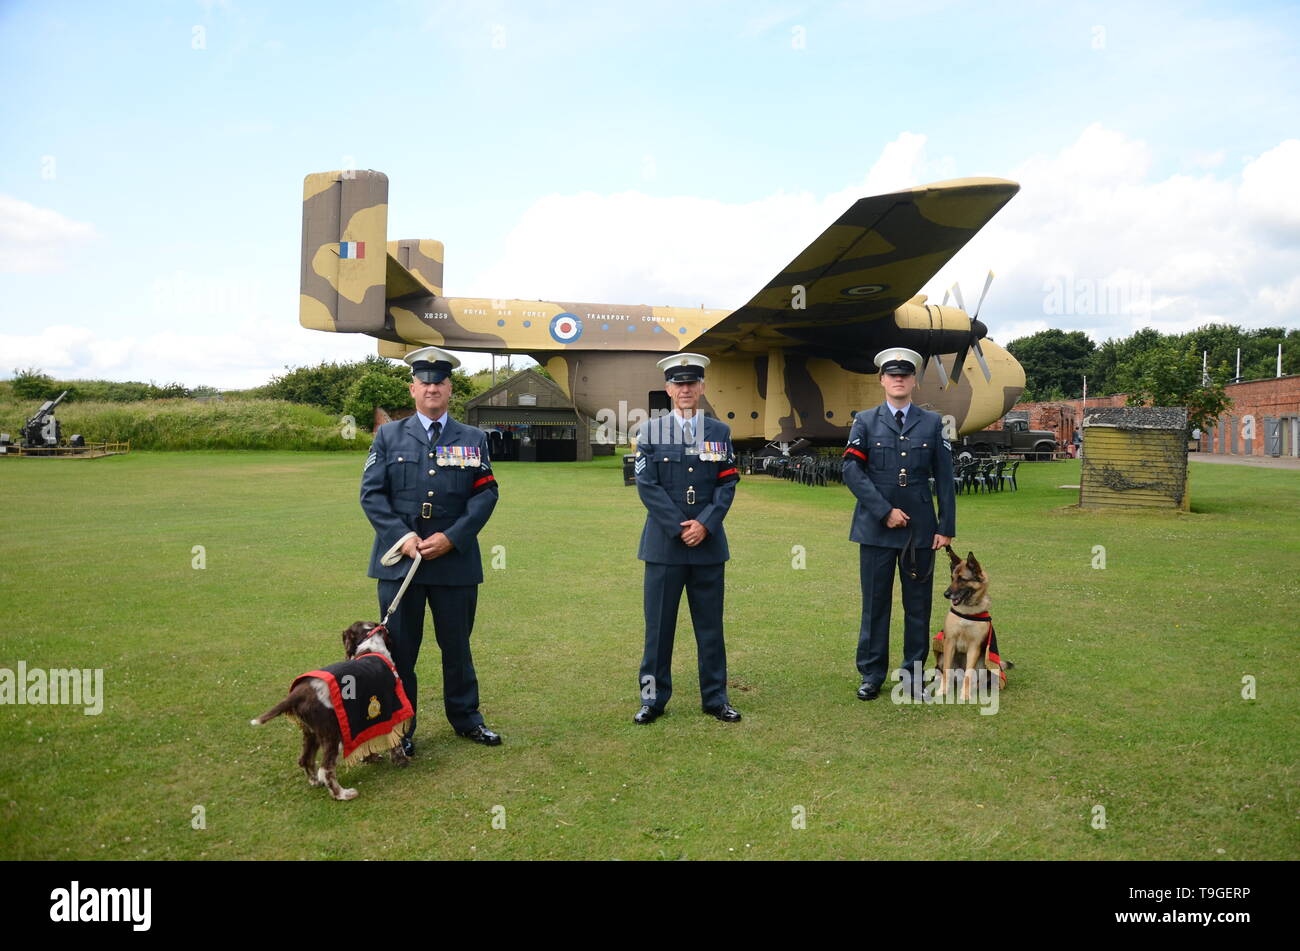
[
  {"x": 731, "y": 416},
  {"x": 753, "y": 415}
]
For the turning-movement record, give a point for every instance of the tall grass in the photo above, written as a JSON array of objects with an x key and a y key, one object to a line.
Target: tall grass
[{"x": 186, "y": 424}]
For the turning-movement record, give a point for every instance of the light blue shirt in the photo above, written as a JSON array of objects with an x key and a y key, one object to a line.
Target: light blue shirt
[
  {"x": 426, "y": 422},
  {"x": 892, "y": 410},
  {"x": 688, "y": 425}
]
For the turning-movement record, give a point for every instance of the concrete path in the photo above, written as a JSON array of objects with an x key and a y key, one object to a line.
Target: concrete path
[{"x": 1268, "y": 462}]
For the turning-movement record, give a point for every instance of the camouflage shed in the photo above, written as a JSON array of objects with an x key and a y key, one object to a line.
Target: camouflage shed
[
  {"x": 528, "y": 418},
  {"x": 1135, "y": 456}
]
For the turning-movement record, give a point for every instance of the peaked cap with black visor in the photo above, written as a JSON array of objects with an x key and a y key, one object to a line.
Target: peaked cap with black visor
[{"x": 430, "y": 364}]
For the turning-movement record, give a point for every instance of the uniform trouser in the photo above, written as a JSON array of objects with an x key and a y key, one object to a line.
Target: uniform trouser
[
  {"x": 663, "y": 594},
  {"x": 452, "y": 607},
  {"x": 876, "y": 573}
]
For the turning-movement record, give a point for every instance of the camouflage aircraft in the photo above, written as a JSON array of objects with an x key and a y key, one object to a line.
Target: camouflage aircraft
[{"x": 794, "y": 363}]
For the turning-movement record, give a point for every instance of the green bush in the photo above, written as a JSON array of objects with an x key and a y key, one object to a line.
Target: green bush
[
  {"x": 328, "y": 384},
  {"x": 32, "y": 384},
  {"x": 114, "y": 391},
  {"x": 372, "y": 390}
]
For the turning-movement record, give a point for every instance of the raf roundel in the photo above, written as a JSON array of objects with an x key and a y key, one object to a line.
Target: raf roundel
[
  {"x": 566, "y": 328},
  {"x": 864, "y": 290}
]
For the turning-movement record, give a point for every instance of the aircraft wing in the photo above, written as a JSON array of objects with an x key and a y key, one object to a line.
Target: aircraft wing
[{"x": 873, "y": 259}]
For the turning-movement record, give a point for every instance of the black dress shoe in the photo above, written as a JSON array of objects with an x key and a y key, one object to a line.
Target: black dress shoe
[
  {"x": 726, "y": 713},
  {"x": 647, "y": 714},
  {"x": 868, "y": 691},
  {"x": 408, "y": 746},
  {"x": 481, "y": 734}
]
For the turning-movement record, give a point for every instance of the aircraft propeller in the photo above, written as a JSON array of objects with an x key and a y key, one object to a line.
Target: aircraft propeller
[
  {"x": 938, "y": 363},
  {"x": 975, "y": 328}
]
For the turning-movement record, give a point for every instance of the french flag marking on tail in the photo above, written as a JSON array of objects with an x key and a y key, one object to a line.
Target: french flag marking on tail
[{"x": 352, "y": 249}]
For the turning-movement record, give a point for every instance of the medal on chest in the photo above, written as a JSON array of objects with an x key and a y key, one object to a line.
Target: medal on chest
[
  {"x": 713, "y": 451},
  {"x": 458, "y": 457}
]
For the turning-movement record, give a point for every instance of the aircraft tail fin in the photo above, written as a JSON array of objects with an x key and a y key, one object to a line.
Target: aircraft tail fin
[
  {"x": 344, "y": 268},
  {"x": 414, "y": 267}
]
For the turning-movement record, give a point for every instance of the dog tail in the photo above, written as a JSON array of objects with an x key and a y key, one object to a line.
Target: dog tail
[{"x": 274, "y": 712}]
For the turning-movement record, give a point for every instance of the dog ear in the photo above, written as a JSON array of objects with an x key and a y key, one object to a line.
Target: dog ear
[
  {"x": 973, "y": 565},
  {"x": 952, "y": 556},
  {"x": 351, "y": 638}
]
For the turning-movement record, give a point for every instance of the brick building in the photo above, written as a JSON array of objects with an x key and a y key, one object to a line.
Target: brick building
[{"x": 1263, "y": 418}]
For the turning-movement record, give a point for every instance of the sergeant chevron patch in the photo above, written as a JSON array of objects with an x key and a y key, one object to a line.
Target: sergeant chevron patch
[
  {"x": 640, "y": 464},
  {"x": 371, "y": 460}
]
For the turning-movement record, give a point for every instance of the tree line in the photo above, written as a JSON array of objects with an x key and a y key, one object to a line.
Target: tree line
[{"x": 1056, "y": 361}]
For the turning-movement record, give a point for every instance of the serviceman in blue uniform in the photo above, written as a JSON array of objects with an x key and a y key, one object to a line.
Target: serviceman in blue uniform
[
  {"x": 428, "y": 490},
  {"x": 686, "y": 476},
  {"x": 893, "y": 451}
]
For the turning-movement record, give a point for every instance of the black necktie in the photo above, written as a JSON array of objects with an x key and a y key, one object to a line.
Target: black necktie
[
  {"x": 435, "y": 430},
  {"x": 898, "y": 415}
]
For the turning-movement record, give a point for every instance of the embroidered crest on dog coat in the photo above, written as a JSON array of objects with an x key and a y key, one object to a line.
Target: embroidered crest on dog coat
[{"x": 368, "y": 706}]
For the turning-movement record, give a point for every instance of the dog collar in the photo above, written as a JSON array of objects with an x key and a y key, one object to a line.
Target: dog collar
[{"x": 985, "y": 616}]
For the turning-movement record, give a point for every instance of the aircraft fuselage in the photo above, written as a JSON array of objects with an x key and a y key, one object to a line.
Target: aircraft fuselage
[{"x": 603, "y": 356}]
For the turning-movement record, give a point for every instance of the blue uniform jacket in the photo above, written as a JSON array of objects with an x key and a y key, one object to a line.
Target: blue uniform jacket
[
  {"x": 878, "y": 458},
  {"x": 406, "y": 487},
  {"x": 675, "y": 484}
]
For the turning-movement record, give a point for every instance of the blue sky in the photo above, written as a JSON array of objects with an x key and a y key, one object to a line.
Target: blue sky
[{"x": 153, "y": 153}]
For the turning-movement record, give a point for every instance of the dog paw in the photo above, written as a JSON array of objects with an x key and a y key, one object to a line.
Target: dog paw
[
  {"x": 313, "y": 781},
  {"x": 345, "y": 794}
]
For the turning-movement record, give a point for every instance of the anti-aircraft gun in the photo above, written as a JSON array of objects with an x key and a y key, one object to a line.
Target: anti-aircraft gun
[{"x": 42, "y": 431}]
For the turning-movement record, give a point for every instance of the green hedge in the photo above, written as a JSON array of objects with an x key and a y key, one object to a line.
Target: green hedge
[{"x": 186, "y": 424}]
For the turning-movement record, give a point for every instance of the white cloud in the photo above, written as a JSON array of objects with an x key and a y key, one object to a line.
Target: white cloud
[
  {"x": 36, "y": 239},
  {"x": 1117, "y": 251},
  {"x": 1173, "y": 254},
  {"x": 898, "y": 166},
  {"x": 1270, "y": 189},
  {"x": 244, "y": 355},
  {"x": 633, "y": 248},
  {"x": 1126, "y": 251}
]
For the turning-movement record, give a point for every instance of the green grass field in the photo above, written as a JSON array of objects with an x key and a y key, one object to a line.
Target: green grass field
[{"x": 1127, "y": 692}]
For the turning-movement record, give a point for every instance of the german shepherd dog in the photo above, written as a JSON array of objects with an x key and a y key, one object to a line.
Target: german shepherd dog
[{"x": 965, "y": 637}]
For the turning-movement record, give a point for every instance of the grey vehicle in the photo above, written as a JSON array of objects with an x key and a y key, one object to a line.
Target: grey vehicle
[{"x": 1016, "y": 439}]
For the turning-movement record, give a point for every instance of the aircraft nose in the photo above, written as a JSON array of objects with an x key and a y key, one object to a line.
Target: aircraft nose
[{"x": 1013, "y": 385}]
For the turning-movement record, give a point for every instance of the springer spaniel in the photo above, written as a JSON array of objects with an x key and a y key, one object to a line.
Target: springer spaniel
[{"x": 336, "y": 720}]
